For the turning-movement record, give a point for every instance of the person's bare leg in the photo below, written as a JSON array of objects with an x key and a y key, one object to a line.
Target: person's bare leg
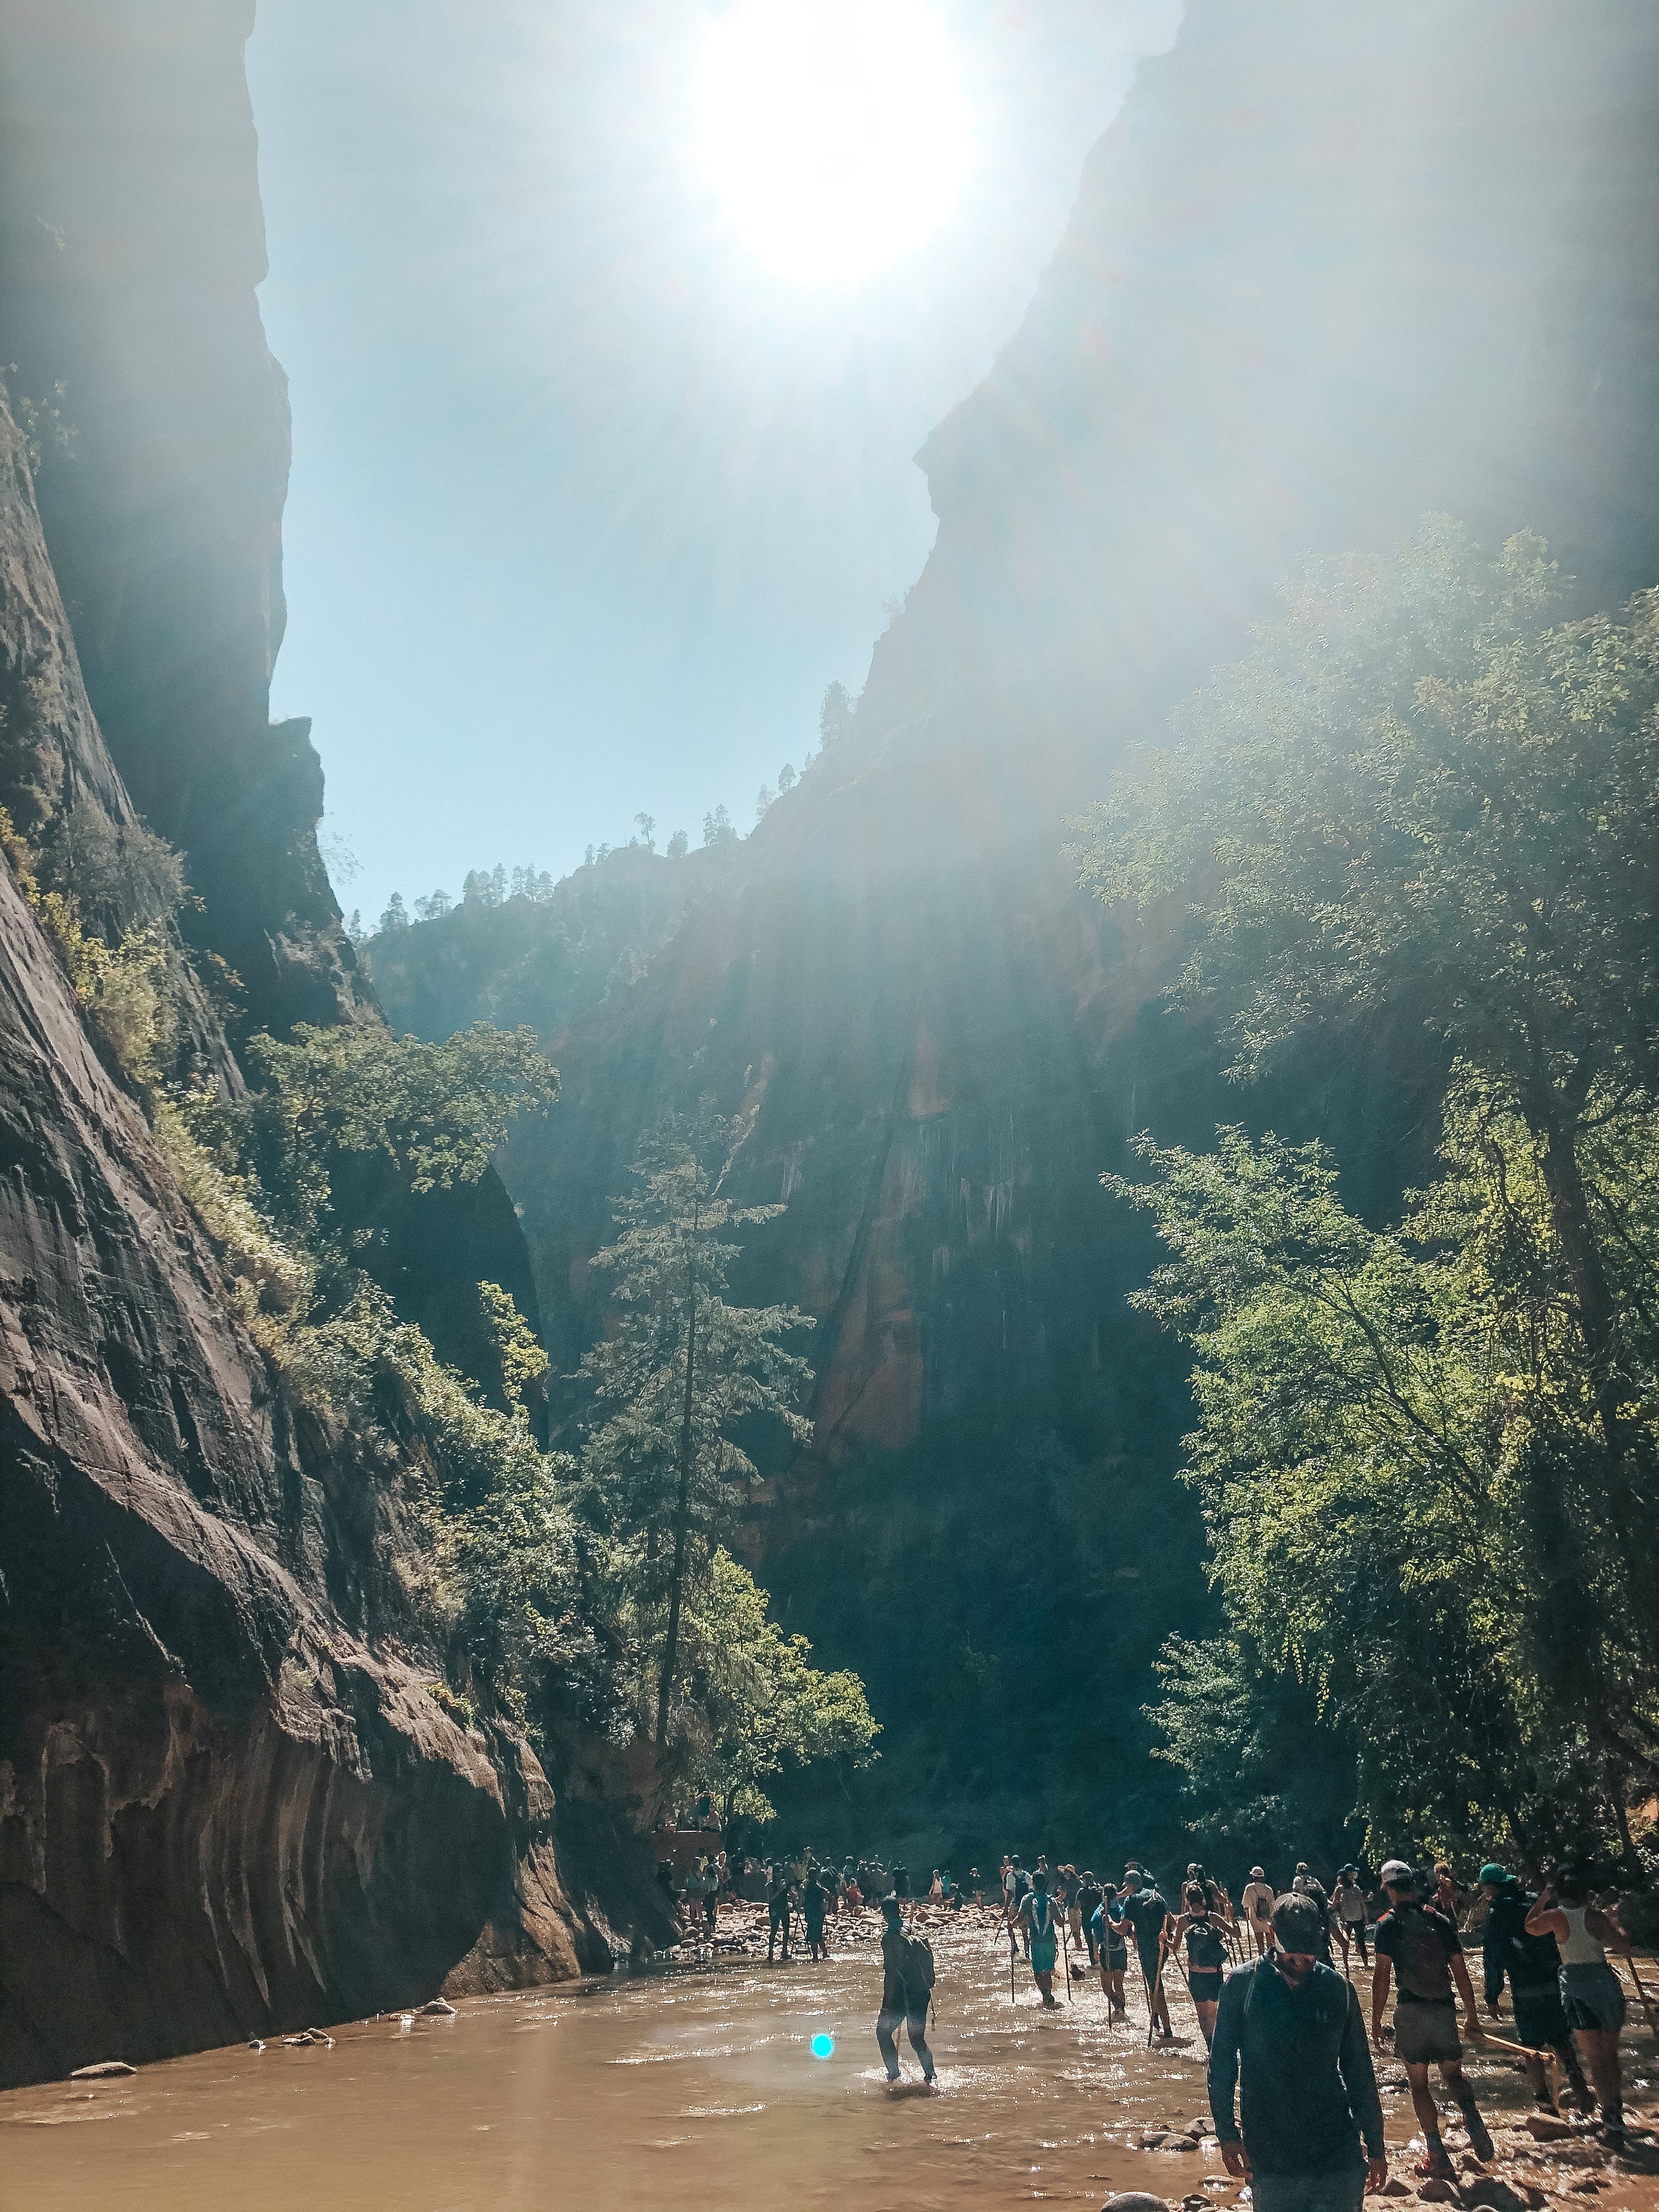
[
  {"x": 1458, "y": 2082},
  {"x": 1600, "y": 2056},
  {"x": 1428, "y": 2112}
]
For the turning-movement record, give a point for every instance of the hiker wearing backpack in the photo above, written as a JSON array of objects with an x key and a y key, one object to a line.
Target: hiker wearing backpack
[
  {"x": 1418, "y": 1941},
  {"x": 1040, "y": 1917},
  {"x": 1206, "y": 1954},
  {"x": 1290, "y": 2039},
  {"x": 1148, "y": 1914},
  {"x": 777, "y": 1912},
  {"x": 907, "y": 1991},
  {"x": 1530, "y": 1963}
]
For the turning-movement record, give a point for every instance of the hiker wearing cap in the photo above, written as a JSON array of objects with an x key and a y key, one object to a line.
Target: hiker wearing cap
[
  {"x": 1418, "y": 1942},
  {"x": 1592, "y": 1995},
  {"x": 1529, "y": 1962},
  {"x": 1348, "y": 1904},
  {"x": 907, "y": 1988},
  {"x": 1258, "y": 1903},
  {"x": 1290, "y": 2039},
  {"x": 1112, "y": 1948}
]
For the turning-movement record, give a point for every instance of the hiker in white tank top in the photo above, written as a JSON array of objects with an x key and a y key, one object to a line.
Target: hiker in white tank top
[
  {"x": 1592, "y": 1995},
  {"x": 1578, "y": 1948}
]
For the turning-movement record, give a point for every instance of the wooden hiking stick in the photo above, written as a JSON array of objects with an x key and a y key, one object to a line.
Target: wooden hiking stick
[{"x": 1152, "y": 2004}]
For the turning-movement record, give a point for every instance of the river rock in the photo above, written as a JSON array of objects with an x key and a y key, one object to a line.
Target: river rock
[
  {"x": 1497, "y": 2195},
  {"x": 1179, "y": 2142},
  {"x": 439, "y": 2008},
  {"x": 1542, "y": 2129},
  {"x": 106, "y": 2069},
  {"x": 1135, "y": 2201}
]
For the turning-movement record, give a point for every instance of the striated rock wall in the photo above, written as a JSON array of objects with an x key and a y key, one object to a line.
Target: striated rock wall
[
  {"x": 228, "y": 1803},
  {"x": 131, "y": 240}
]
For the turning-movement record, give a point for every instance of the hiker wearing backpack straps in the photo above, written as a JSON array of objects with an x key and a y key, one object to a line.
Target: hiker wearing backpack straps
[
  {"x": 1207, "y": 1955},
  {"x": 1290, "y": 2047},
  {"x": 907, "y": 1990},
  {"x": 1038, "y": 1916}
]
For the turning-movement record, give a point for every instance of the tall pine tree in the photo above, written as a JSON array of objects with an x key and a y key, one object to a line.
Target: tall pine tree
[{"x": 677, "y": 1373}]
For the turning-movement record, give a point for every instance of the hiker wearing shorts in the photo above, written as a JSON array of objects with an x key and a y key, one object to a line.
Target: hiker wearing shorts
[
  {"x": 903, "y": 1998},
  {"x": 1112, "y": 1950},
  {"x": 1257, "y": 1904},
  {"x": 1290, "y": 2038},
  {"x": 1530, "y": 1963},
  {"x": 1418, "y": 1943},
  {"x": 1040, "y": 1918},
  {"x": 1206, "y": 1954},
  {"x": 1592, "y": 1995}
]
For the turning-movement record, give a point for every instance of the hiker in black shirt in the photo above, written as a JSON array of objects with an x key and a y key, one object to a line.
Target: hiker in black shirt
[
  {"x": 1207, "y": 1955},
  {"x": 1147, "y": 1912},
  {"x": 1531, "y": 1963},
  {"x": 901, "y": 2000},
  {"x": 1422, "y": 1947},
  {"x": 814, "y": 1903},
  {"x": 777, "y": 1912},
  {"x": 1289, "y": 2036}
]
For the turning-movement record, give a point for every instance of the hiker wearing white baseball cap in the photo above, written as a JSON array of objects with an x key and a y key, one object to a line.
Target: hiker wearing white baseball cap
[{"x": 1420, "y": 1944}]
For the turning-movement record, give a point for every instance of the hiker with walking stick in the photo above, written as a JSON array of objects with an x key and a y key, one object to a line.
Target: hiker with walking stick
[
  {"x": 1147, "y": 1912},
  {"x": 1417, "y": 1941},
  {"x": 1038, "y": 1915},
  {"x": 1111, "y": 1947}
]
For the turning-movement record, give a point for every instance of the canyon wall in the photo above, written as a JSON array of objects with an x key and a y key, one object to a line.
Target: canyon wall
[
  {"x": 1331, "y": 268},
  {"x": 229, "y": 1802}
]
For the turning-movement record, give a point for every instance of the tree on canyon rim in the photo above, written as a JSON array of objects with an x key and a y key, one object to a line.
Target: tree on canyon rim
[
  {"x": 679, "y": 1369},
  {"x": 1427, "y": 798}
]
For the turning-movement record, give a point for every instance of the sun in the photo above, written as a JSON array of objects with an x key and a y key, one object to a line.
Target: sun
[{"x": 836, "y": 132}]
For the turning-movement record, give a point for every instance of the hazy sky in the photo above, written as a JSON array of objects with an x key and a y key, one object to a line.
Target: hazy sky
[{"x": 589, "y": 503}]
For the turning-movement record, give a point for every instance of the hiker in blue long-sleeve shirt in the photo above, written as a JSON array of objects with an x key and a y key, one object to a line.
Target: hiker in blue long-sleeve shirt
[{"x": 1291, "y": 2038}]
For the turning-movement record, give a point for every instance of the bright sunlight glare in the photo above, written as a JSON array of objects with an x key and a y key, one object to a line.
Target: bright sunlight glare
[{"x": 836, "y": 132}]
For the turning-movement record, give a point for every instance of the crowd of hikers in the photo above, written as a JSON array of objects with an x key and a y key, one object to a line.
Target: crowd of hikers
[{"x": 1292, "y": 2090}]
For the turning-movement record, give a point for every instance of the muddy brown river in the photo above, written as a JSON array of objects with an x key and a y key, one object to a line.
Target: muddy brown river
[{"x": 698, "y": 2090}]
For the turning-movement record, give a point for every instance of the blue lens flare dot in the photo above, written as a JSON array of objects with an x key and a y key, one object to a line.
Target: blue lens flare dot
[{"x": 824, "y": 2046}]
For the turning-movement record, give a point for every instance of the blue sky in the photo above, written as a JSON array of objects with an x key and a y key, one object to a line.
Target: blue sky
[{"x": 587, "y": 508}]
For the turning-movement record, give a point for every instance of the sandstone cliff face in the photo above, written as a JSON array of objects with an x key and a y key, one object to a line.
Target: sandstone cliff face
[
  {"x": 1332, "y": 268},
  {"x": 131, "y": 243},
  {"x": 227, "y": 1804}
]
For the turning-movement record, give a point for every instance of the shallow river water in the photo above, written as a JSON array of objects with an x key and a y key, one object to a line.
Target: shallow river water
[{"x": 696, "y": 2089}]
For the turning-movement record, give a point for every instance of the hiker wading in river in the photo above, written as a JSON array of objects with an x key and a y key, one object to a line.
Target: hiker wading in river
[
  {"x": 1039, "y": 1915},
  {"x": 1422, "y": 1946},
  {"x": 1290, "y": 2037},
  {"x": 1529, "y": 1963},
  {"x": 1592, "y": 1994},
  {"x": 907, "y": 1990}
]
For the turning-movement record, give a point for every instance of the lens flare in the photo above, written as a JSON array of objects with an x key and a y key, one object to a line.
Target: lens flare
[
  {"x": 836, "y": 132},
  {"x": 824, "y": 2046}
]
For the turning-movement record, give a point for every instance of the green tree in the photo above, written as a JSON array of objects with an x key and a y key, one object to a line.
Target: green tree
[
  {"x": 1425, "y": 792},
  {"x": 436, "y": 1112},
  {"x": 1398, "y": 1452},
  {"x": 679, "y": 1371},
  {"x": 761, "y": 1705}
]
